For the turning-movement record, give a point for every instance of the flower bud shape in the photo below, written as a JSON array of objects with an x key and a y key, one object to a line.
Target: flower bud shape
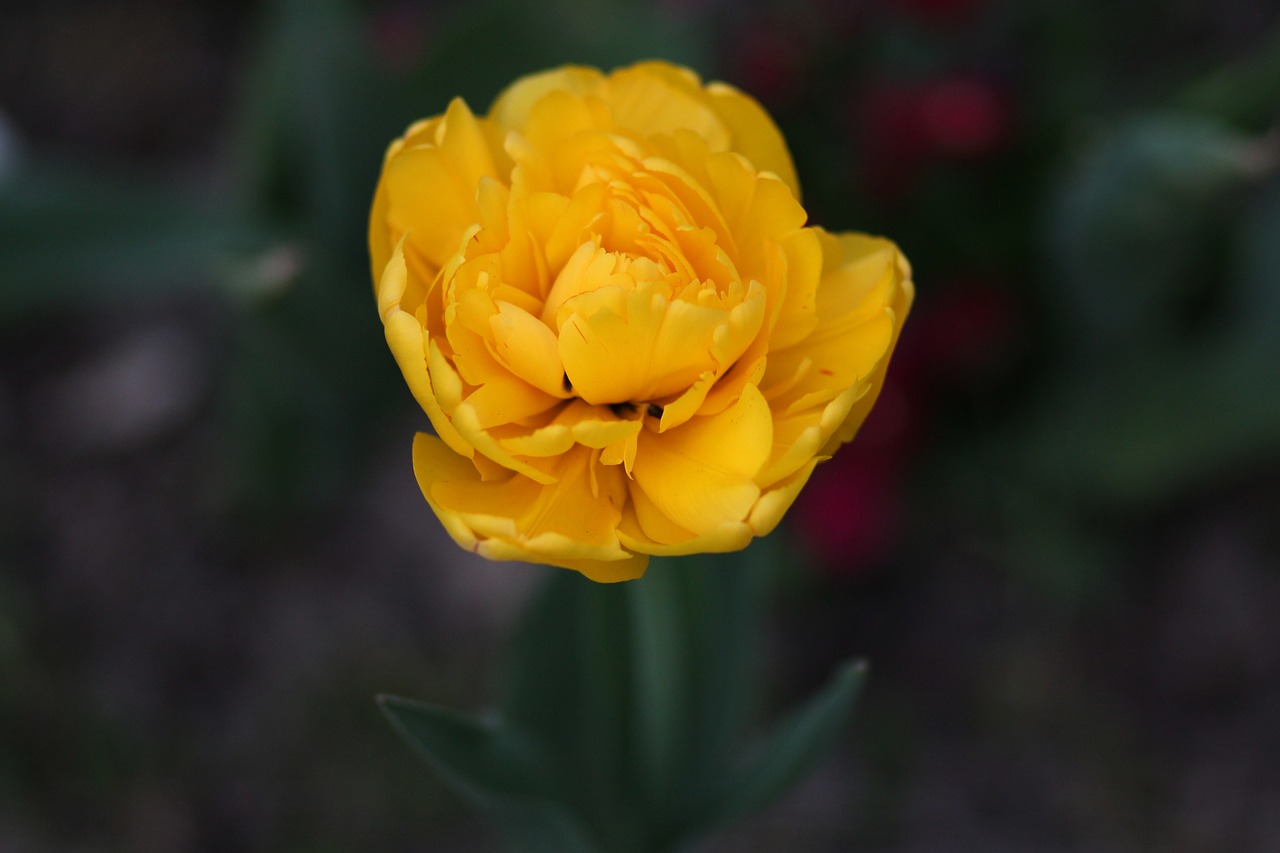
[{"x": 606, "y": 299}]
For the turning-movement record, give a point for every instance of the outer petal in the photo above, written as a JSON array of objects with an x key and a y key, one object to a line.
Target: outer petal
[
  {"x": 753, "y": 133},
  {"x": 600, "y": 571},
  {"x": 511, "y": 109},
  {"x": 429, "y": 190},
  {"x": 517, "y": 519},
  {"x": 655, "y": 98},
  {"x": 855, "y": 325},
  {"x": 904, "y": 295},
  {"x": 408, "y": 341},
  {"x": 722, "y": 539},
  {"x": 774, "y": 503},
  {"x": 700, "y": 475},
  {"x": 647, "y": 530},
  {"x": 380, "y": 239}
]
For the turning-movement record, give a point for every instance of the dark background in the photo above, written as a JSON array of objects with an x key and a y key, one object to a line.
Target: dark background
[{"x": 1056, "y": 540}]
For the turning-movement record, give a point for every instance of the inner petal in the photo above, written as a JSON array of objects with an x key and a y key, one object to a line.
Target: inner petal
[{"x": 642, "y": 347}]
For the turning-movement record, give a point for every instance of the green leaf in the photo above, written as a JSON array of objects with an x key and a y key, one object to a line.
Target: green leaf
[
  {"x": 497, "y": 769},
  {"x": 643, "y": 688},
  {"x": 797, "y": 745},
  {"x": 482, "y": 756},
  {"x": 695, "y": 635},
  {"x": 658, "y": 639},
  {"x": 567, "y": 684},
  {"x": 724, "y": 600},
  {"x": 1132, "y": 224},
  {"x": 632, "y": 698}
]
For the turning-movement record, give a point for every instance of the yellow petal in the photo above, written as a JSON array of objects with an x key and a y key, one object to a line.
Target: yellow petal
[
  {"x": 551, "y": 440},
  {"x": 713, "y": 391},
  {"x": 647, "y": 530},
  {"x": 746, "y": 371},
  {"x": 405, "y": 338},
  {"x": 434, "y": 462},
  {"x": 700, "y": 475},
  {"x": 408, "y": 342},
  {"x": 855, "y": 327},
  {"x": 772, "y": 216},
  {"x": 687, "y": 404},
  {"x": 576, "y": 423},
  {"x": 723, "y": 539},
  {"x": 564, "y": 224},
  {"x": 774, "y": 503},
  {"x": 465, "y": 146},
  {"x": 658, "y": 98},
  {"x": 511, "y": 109},
  {"x": 426, "y": 202},
  {"x": 757, "y": 209},
  {"x": 642, "y": 348},
  {"x": 602, "y": 571},
  {"x": 629, "y": 568},
  {"x": 858, "y": 412},
  {"x": 753, "y": 133},
  {"x": 392, "y": 280},
  {"x": 798, "y": 312},
  {"x": 380, "y": 242},
  {"x": 622, "y": 452},
  {"x": 381, "y": 239},
  {"x": 446, "y": 384},
  {"x": 527, "y": 348},
  {"x": 466, "y": 420},
  {"x": 799, "y": 437},
  {"x": 655, "y": 526},
  {"x": 594, "y": 430},
  {"x": 441, "y": 474},
  {"x": 429, "y": 190},
  {"x": 561, "y": 519},
  {"x": 588, "y": 269},
  {"x": 506, "y": 399}
]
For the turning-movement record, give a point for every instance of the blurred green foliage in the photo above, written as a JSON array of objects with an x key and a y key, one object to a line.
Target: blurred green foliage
[
  {"x": 623, "y": 710},
  {"x": 1118, "y": 188}
]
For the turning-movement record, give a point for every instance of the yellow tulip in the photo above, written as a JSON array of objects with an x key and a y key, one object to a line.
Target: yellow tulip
[{"x": 606, "y": 299}]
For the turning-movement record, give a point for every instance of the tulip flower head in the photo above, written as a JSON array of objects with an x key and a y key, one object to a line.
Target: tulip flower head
[{"x": 605, "y": 296}]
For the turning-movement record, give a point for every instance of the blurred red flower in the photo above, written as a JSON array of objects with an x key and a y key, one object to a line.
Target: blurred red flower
[
  {"x": 903, "y": 127},
  {"x": 852, "y": 515}
]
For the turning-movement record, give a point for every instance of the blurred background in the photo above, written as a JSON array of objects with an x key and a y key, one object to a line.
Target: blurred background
[{"x": 1057, "y": 540}]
